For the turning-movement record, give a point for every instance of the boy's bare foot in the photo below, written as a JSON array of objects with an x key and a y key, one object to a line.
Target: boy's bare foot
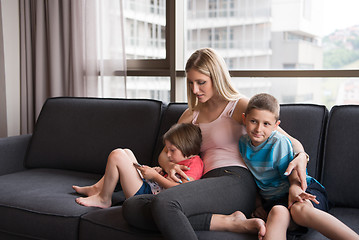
[
  {"x": 87, "y": 190},
  {"x": 93, "y": 201},
  {"x": 237, "y": 222}
]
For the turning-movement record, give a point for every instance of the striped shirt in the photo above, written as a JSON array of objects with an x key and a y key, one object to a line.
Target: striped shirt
[{"x": 268, "y": 163}]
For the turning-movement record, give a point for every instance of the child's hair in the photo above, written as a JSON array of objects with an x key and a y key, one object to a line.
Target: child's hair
[
  {"x": 208, "y": 62},
  {"x": 264, "y": 101},
  {"x": 186, "y": 137}
]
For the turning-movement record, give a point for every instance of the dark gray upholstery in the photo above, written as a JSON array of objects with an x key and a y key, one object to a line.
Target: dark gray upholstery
[
  {"x": 70, "y": 145},
  {"x": 74, "y": 136},
  {"x": 40, "y": 202},
  {"x": 306, "y": 122},
  {"x": 79, "y": 135},
  {"x": 171, "y": 114},
  {"x": 109, "y": 223},
  {"x": 341, "y": 154},
  {"x": 13, "y": 149}
]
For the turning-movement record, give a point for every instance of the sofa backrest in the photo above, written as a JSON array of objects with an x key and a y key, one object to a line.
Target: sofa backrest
[
  {"x": 341, "y": 156},
  {"x": 306, "y": 123},
  {"x": 79, "y": 133},
  {"x": 172, "y": 112}
]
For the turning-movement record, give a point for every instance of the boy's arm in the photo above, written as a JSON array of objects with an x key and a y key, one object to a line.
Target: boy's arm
[
  {"x": 296, "y": 193},
  {"x": 299, "y": 163}
]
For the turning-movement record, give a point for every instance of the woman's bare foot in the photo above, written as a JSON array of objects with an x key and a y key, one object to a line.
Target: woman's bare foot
[
  {"x": 237, "y": 222},
  {"x": 87, "y": 190},
  {"x": 94, "y": 201}
]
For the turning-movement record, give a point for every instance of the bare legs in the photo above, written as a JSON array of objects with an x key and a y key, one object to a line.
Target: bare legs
[
  {"x": 237, "y": 222},
  {"x": 119, "y": 167},
  {"x": 277, "y": 223},
  {"x": 306, "y": 215}
]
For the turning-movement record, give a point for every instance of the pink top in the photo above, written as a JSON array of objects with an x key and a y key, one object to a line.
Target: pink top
[{"x": 220, "y": 140}]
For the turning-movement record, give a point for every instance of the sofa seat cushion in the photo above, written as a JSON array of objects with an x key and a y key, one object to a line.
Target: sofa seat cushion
[
  {"x": 349, "y": 216},
  {"x": 41, "y": 203},
  {"x": 111, "y": 223}
]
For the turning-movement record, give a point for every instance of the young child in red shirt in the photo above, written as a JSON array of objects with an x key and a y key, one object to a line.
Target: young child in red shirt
[{"x": 183, "y": 143}]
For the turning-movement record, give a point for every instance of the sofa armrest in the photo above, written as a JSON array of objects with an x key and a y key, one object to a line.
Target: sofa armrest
[{"x": 12, "y": 153}]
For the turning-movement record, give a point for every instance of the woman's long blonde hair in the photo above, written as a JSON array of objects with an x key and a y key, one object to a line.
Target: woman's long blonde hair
[{"x": 209, "y": 63}]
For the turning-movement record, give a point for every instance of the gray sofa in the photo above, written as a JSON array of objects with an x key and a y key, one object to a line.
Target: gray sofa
[{"x": 73, "y": 137}]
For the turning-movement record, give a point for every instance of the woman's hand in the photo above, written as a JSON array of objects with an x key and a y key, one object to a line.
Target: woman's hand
[
  {"x": 299, "y": 163},
  {"x": 174, "y": 169}
]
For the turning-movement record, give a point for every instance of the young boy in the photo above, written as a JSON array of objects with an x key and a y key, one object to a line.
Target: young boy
[
  {"x": 267, "y": 154},
  {"x": 183, "y": 142}
]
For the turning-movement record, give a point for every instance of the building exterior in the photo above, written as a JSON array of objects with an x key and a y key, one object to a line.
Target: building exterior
[{"x": 249, "y": 34}]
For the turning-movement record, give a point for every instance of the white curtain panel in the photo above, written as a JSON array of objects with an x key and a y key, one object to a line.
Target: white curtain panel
[{"x": 111, "y": 47}]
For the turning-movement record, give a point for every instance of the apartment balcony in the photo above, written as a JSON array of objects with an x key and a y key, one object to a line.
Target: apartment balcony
[
  {"x": 146, "y": 48},
  {"x": 235, "y": 48},
  {"x": 223, "y": 18},
  {"x": 145, "y": 13}
]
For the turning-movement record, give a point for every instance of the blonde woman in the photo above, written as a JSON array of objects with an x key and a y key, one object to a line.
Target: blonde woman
[{"x": 225, "y": 196}]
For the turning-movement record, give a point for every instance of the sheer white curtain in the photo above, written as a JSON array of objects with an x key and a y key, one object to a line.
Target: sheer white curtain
[
  {"x": 111, "y": 51},
  {"x": 63, "y": 50}
]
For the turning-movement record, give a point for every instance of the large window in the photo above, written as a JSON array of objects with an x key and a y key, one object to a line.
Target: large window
[{"x": 298, "y": 50}]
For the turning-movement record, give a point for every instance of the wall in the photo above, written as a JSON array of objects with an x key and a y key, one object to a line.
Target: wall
[
  {"x": 3, "y": 115},
  {"x": 10, "y": 21}
]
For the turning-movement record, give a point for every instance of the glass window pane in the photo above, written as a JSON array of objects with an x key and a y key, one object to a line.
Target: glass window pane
[
  {"x": 323, "y": 91},
  {"x": 145, "y": 29},
  {"x": 276, "y": 34},
  {"x": 137, "y": 87}
]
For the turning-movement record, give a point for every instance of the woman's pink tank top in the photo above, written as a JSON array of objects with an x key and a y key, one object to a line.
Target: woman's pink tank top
[{"x": 220, "y": 140}]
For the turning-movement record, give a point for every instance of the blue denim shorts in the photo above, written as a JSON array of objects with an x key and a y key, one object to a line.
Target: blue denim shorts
[
  {"x": 313, "y": 188},
  {"x": 144, "y": 189}
]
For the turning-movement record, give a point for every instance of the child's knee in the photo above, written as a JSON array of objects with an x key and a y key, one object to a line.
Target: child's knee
[
  {"x": 117, "y": 154},
  {"x": 299, "y": 210},
  {"x": 279, "y": 211}
]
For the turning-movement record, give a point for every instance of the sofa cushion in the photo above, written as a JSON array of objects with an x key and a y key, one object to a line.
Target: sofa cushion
[
  {"x": 110, "y": 223},
  {"x": 41, "y": 203},
  {"x": 172, "y": 112},
  {"x": 348, "y": 216},
  {"x": 79, "y": 133},
  {"x": 341, "y": 160},
  {"x": 12, "y": 153},
  {"x": 306, "y": 123}
]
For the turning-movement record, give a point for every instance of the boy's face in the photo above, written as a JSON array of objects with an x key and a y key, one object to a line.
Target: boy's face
[
  {"x": 173, "y": 153},
  {"x": 260, "y": 124}
]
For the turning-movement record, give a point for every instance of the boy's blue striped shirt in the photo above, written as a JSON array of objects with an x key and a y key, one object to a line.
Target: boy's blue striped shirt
[{"x": 268, "y": 163}]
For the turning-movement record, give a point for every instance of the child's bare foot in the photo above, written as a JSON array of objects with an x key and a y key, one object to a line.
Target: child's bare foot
[
  {"x": 241, "y": 224},
  {"x": 94, "y": 201},
  {"x": 87, "y": 190}
]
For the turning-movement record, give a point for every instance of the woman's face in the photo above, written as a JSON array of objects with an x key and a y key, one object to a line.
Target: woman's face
[{"x": 201, "y": 85}]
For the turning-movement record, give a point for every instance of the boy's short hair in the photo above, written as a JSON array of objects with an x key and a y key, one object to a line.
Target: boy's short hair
[
  {"x": 186, "y": 137},
  {"x": 264, "y": 101}
]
